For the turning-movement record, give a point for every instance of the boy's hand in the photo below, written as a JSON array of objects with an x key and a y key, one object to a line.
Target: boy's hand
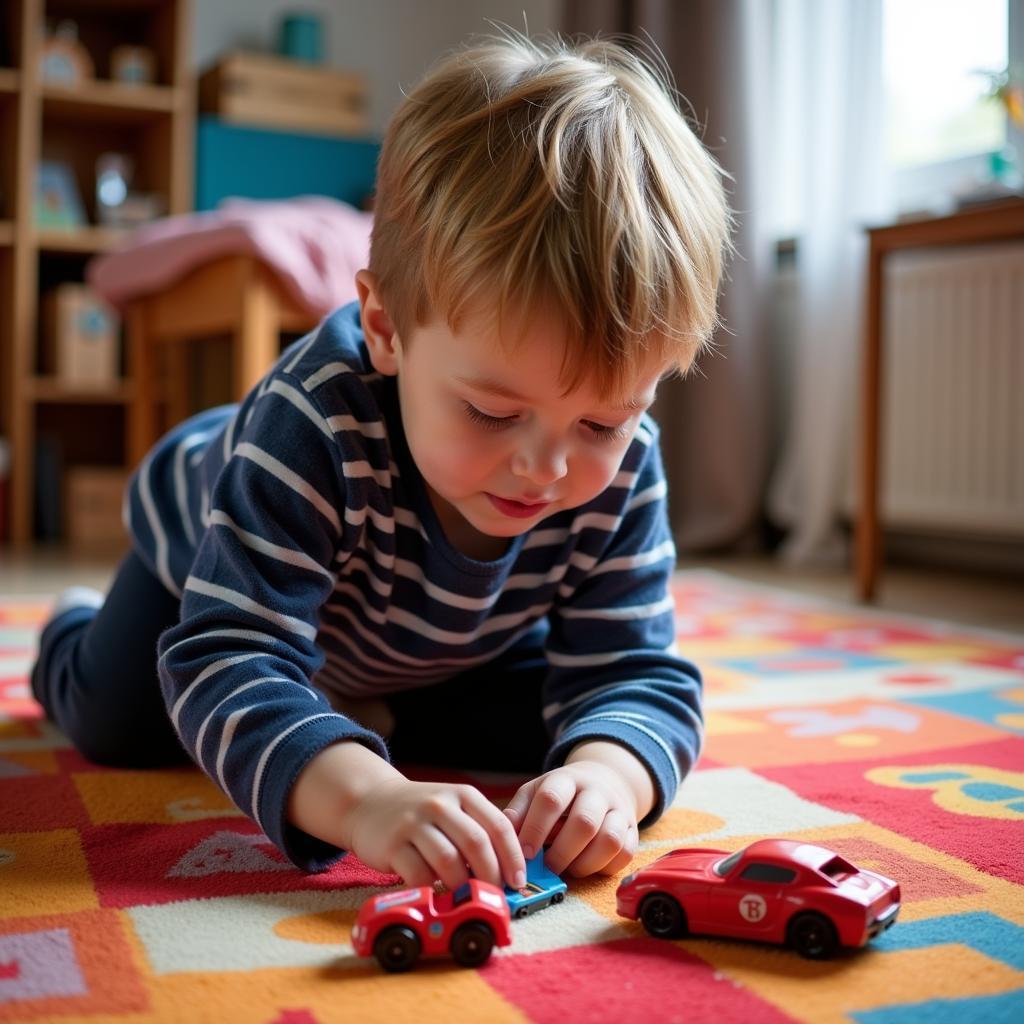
[
  {"x": 589, "y": 808},
  {"x": 428, "y": 830}
]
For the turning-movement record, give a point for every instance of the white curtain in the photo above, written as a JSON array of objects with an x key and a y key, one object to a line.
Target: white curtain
[{"x": 827, "y": 57}]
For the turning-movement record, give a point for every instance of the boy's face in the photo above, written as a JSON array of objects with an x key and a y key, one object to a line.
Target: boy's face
[{"x": 499, "y": 446}]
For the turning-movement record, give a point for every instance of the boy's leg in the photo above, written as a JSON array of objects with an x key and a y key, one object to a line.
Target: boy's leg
[
  {"x": 96, "y": 673},
  {"x": 488, "y": 718}
]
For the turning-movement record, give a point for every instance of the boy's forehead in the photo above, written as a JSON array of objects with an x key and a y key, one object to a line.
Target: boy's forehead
[
  {"x": 632, "y": 401},
  {"x": 522, "y": 358}
]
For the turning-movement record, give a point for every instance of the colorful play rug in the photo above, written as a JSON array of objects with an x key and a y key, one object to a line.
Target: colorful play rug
[{"x": 144, "y": 896}]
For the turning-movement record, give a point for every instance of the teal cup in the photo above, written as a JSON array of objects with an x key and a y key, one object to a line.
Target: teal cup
[{"x": 301, "y": 38}]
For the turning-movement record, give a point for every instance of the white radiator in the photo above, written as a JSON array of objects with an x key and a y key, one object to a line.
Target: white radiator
[{"x": 953, "y": 400}]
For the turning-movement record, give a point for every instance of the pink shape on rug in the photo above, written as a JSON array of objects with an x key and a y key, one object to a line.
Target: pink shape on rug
[{"x": 143, "y": 863}]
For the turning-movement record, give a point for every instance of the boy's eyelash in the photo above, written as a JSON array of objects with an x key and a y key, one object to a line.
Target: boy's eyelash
[
  {"x": 608, "y": 433},
  {"x": 599, "y": 430},
  {"x": 490, "y": 422}
]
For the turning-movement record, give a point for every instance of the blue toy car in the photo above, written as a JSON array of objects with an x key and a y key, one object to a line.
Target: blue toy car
[{"x": 542, "y": 887}]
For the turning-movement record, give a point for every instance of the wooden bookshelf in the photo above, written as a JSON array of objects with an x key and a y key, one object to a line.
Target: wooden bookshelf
[
  {"x": 51, "y": 390},
  {"x": 92, "y": 239},
  {"x": 154, "y": 124},
  {"x": 110, "y": 102}
]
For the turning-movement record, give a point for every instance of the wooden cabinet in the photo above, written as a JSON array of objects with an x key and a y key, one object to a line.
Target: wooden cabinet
[{"x": 41, "y": 122}]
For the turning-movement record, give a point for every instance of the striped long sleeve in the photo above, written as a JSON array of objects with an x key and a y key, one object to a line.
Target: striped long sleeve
[{"x": 236, "y": 672}]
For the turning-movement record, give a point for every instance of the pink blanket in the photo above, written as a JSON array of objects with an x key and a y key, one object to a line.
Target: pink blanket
[{"x": 314, "y": 245}]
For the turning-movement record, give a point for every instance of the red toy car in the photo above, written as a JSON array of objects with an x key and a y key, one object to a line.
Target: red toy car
[
  {"x": 396, "y": 927},
  {"x": 776, "y": 890}
]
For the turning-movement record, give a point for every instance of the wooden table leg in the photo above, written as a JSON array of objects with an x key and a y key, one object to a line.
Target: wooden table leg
[
  {"x": 142, "y": 428},
  {"x": 257, "y": 338},
  {"x": 868, "y": 533},
  {"x": 177, "y": 356}
]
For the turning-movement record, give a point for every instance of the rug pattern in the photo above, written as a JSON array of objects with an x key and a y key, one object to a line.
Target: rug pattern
[{"x": 146, "y": 897}]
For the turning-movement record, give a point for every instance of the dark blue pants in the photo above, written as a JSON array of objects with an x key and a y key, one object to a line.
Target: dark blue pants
[{"x": 96, "y": 677}]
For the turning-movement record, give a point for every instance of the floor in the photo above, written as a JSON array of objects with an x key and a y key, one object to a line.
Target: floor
[{"x": 989, "y": 601}]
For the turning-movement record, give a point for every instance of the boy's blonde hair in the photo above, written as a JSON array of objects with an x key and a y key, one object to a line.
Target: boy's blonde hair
[{"x": 521, "y": 171}]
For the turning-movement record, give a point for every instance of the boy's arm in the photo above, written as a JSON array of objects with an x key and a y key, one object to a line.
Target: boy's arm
[
  {"x": 236, "y": 671},
  {"x": 616, "y": 676}
]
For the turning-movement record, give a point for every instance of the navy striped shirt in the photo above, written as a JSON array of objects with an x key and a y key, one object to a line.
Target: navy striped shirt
[{"x": 300, "y": 537}]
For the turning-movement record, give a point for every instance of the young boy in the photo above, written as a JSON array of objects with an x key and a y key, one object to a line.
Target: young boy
[{"x": 436, "y": 531}]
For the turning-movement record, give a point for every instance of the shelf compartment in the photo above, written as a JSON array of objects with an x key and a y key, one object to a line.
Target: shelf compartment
[
  {"x": 109, "y": 102},
  {"x": 106, "y": 24},
  {"x": 11, "y": 35},
  {"x": 87, "y": 240},
  {"x": 53, "y": 391},
  {"x": 8, "y": 146},
  {"x": 78, "y": 143}
]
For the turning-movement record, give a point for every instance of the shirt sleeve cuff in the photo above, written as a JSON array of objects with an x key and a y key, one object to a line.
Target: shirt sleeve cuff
[
  {"x": 283, "y": 769},
  {"x": 651, "y": 752}
]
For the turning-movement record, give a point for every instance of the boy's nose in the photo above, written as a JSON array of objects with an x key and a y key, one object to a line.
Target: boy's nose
[{"x": 542, "y": 465}]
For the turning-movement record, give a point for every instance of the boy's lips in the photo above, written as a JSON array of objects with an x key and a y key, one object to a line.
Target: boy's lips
[{"x": 517, "y": 509}]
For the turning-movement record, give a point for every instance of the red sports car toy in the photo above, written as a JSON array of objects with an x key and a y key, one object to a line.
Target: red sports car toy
[
  {"x": 776, "y": 890},
  {"x": 396, "y": 927}
]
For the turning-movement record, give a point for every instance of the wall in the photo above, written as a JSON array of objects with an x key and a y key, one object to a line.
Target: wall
[{"x": 391, "y": 41}]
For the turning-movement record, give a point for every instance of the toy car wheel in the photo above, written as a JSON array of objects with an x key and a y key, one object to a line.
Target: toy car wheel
[
  {"x": 396, "y": 949},
  {"x": 662, "y": 916},
  {"x": 522, "y": 912},
  {"x": 472, "y": 944},
  {"x": 813, "y": 936},
  {"x": 558, "y": 897}
]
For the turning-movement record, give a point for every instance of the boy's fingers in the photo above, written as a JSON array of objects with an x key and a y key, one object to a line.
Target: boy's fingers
[
  {"x": 511, "y": 867},
  {"x": 441, "y": 856},
  {"x": 552, "y": 796},
  {"x": 619, "y": 862},
  {"x": 585, "y": 820},
  {"x": 412, "y": 867},
  {"x": 516, "y": 809},
  {"x": 604, "y": 848}
]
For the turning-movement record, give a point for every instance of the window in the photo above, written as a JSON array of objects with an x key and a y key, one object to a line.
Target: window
[
  {"x": 941, "y": 131},
  {"x": 932, "y": 53},
  {"x": 768, "y": 873}
]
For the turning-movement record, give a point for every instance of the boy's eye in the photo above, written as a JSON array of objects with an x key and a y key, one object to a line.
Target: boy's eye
[
  {"x": 606, "y": 433},
  {"x": 490, "y": 422}
]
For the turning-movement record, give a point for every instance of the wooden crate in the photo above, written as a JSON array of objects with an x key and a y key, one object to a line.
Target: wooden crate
[
  {"x": 93, "y": 496},
  {"x": 81, "y": 337},
  {"x": 260, "y": 89}
]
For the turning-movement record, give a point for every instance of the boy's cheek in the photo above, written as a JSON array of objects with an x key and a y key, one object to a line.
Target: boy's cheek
[{"x": 460, "y": 459}]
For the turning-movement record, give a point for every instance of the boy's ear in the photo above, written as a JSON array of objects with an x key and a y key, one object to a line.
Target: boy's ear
[{"x": 382, "y": 339}]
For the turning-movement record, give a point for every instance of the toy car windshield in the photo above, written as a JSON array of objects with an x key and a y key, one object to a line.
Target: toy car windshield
[{"x": 723, "y": 867}]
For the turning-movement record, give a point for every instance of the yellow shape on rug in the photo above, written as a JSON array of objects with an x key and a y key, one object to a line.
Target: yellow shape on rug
[
  {"x": 157, "y": 798},
  {"x": 44, "y": 873}
]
